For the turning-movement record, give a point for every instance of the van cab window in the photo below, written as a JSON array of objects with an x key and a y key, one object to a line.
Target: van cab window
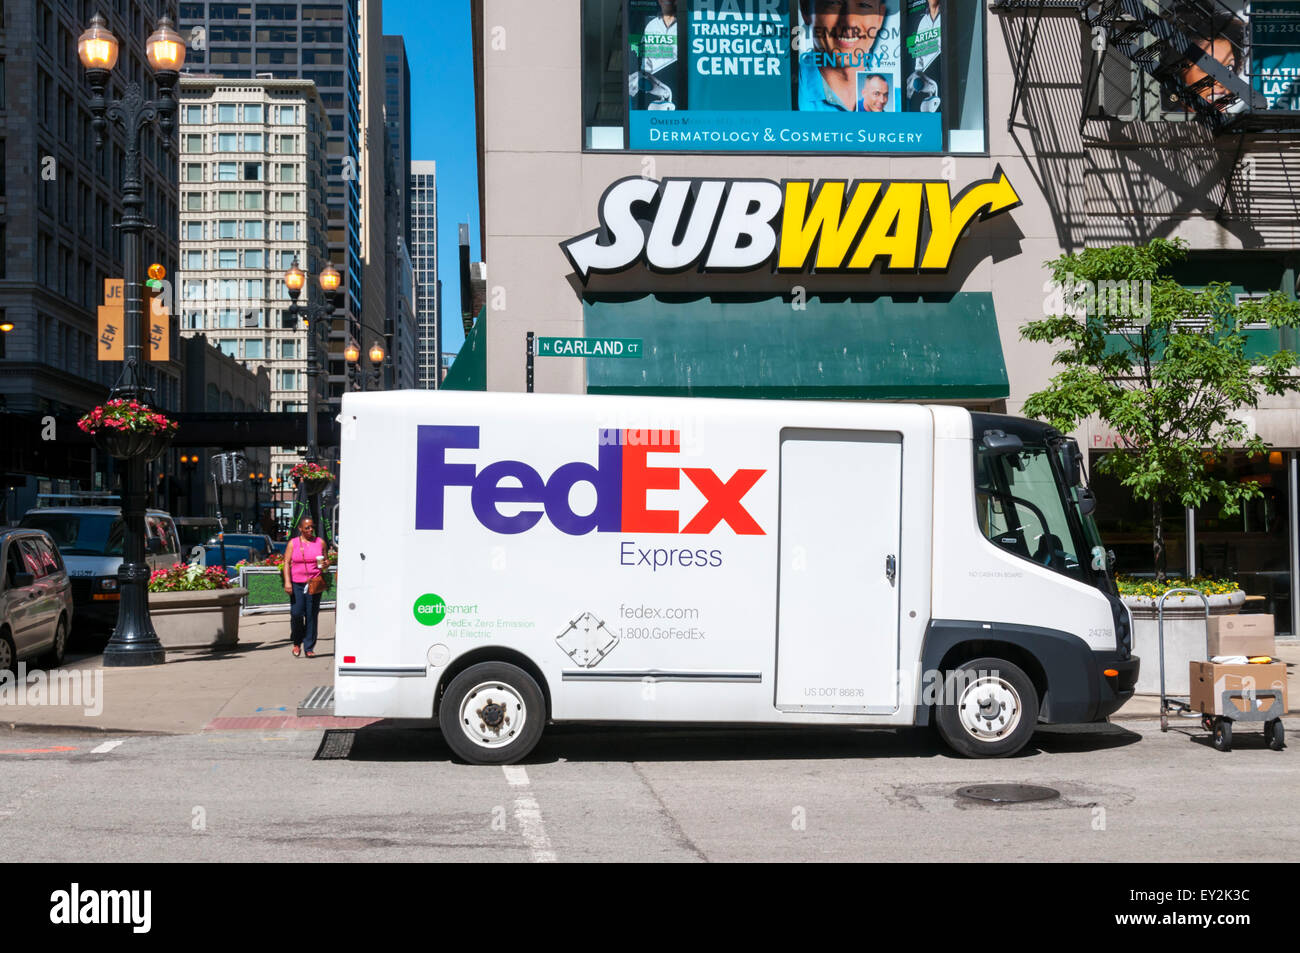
[
  {"x": 1020, "y": 508},
  {"x": 32, "y": 562}
]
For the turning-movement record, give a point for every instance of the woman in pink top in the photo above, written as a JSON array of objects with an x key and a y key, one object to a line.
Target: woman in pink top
[{"x": 304, "y": 558}]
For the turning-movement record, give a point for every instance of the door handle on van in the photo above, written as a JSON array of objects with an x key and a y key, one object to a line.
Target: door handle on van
[{"x": 891, "y": 568}]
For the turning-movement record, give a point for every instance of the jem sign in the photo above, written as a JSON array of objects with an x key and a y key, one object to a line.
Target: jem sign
[{"x": 730, "y": 225}]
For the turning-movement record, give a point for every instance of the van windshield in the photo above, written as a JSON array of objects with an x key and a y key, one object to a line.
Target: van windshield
[
  {"x": 1021, "y": 509},
  {"x": 80, "y": 534}
]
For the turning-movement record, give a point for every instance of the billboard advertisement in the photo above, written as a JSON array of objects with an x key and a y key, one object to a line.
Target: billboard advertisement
[{"x": 786, "y": 75}]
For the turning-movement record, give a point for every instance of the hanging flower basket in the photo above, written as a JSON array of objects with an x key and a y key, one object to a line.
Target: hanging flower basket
[
  {"x": 128, "y": 429},
  {"x": 313, "y": 477}
]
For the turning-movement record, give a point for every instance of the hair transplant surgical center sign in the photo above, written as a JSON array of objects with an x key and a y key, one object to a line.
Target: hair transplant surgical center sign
[{"x": 797, "y": 225}]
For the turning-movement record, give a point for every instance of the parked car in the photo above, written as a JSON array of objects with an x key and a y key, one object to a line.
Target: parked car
[
  {"x": 279, "y": 546},
  {"x": 209, "y": 554},
  {"x": 196, "y": 530},
  {"x": 89, "y": 538},
  {"x": 36, "y": 606},
  {"x": 256, "y": 541}
]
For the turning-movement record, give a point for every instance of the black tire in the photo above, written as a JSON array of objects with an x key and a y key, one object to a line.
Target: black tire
[
  {"x": 507, "y": 693},
  {"x": 8, "y": 652},
  {"x": 1006, "y": 731},
  {"x": 54, "y": 657},
  {"x": 1275, "y": 734},
  {"x": 1223, "y": 734}
]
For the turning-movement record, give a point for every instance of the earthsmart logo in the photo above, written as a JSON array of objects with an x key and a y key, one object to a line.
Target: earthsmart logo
[
  {"x": 76, "y": 906},
  {"x": 430, "y": 609}
]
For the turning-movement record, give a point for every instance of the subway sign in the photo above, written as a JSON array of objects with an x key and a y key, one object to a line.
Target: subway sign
[{"x": 796, "y": 225}]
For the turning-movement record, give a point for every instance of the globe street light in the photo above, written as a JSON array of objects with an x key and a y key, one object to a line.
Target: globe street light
[
  {"x": 360, "y": 376},
  {"x": 134, "y": 640}
]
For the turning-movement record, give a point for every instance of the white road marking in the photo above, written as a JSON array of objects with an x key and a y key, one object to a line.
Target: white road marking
[
  {"x": 107, "y": 746},
  {"x": 528, "y": 815}
]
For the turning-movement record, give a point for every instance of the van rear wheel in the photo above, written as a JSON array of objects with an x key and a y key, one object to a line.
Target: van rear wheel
[
  {"x": 989, "y": 709},
  {"x": 492, "y": 713}
]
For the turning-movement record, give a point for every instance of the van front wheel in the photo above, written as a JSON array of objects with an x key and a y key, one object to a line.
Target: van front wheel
[
  {"x": 989, "y": 709},
  {"x": 492, "y": 713}
]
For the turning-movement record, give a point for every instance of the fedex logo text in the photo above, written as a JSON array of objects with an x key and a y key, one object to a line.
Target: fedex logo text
[{"x": 621, "y": 476}]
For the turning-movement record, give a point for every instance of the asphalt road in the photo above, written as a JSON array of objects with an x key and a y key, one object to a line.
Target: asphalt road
[{"x": 383, "y": 793}]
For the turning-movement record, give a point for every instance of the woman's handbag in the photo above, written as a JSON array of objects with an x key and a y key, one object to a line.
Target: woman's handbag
[{"x": 316, "y": 584}]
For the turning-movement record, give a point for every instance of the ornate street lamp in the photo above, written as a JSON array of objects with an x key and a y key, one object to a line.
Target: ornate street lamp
[
  {"x": 358, "y": 375},
  {"x": 134, "y": 641},
  {"x": 317, "y": 317}
]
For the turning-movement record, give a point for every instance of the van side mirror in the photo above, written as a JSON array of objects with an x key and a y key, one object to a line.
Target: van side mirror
[
  {"x": 1087, "y": 501},
  {"x": 1072, "y": 460},
  {"x": 997, "y": 441}
]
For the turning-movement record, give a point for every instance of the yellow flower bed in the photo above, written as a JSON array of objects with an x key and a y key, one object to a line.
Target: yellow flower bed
[{"x": 1129, "y": 586}]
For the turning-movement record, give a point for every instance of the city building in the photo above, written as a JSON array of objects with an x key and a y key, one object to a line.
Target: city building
[
  {"x": 405, "y": 336},
  {"x": 253, "y": 166},
  {"x": 397, "y": 117},
  {"x": 424, "y": 259},
  {"x": 1006, "y": 137},
  {"x": 376, "y": 240},
  {"x": 217, "y": 383},
  {"x": 60, "y": 198},
  {"x": 317, "y": 41}
]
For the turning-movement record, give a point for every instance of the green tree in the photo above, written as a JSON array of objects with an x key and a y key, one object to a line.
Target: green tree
[{"x": 1165, "y": 367}]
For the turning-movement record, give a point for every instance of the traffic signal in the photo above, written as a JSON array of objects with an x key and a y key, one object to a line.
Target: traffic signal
[{"x": 157, "y": 317}]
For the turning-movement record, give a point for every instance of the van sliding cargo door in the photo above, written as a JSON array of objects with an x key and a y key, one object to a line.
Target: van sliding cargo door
[{"x": 837, "y": 608}]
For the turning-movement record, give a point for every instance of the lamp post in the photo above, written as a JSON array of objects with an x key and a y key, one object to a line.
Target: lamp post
[
  {"x": 189, "y": 463},
  {"x": 134, "y": 640},
  {"x": 316, "y": 316},
  {"x": 256, "y": 480},
  {"x": 360, "y": 376}
]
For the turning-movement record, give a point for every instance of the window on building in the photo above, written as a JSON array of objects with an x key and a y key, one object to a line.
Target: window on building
[
  {"x": 192, "y": 115},
  {"x": 252, "y": 172},
  {"x": 255, "y": 348},
  {"x": 230, "y": 348},
  {"x": 227, "y": 112},
  {"x": 227, "y": 201},
  {"x": 287, "y": 115},
  {"x": 252, "y": 112},
  {"x": 253, "y": 228},
  {"x": 288, "y": 172},
  {"x": 194, "y": 289},
  {"x": 227, "y": 318},
  {"x": 288, "y": 380},
  {"x": 193, "y": 172},
  {"x": 194, "y": 260},
  {"x": 286, "y": 202},
  {"x": 227, "y": 142},
  {"x": 288, "y": 349},
  {"x": 277, "y": 34},
  {"x": 228, "y": 258},
  {"x": 194, "y": 201},
  {"x": 227, "y": 228},
  {"x": 192, "y": 142},
  {"x": 252, "y": 200},
  {"x": 193, "y": 231},
  {"x": 252, "y": 142},
  {"x": 254, "y": 288},
  {"x": 287, "y": 258},
  {"x": 254, "y": 258},
  {"x": 227, "y": 171}
]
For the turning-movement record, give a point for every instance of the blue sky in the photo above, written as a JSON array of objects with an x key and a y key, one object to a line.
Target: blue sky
[{"x": 439, "y": 52}]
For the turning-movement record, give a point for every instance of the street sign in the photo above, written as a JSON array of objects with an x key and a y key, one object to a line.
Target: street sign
[
  {"x": 589, "y": 347},
  {"x": 110, "y": 327},
  {"x": 158, "y": 321}
]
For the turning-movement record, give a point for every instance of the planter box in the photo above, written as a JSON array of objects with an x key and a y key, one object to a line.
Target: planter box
[
  {"x": 265, "y": 589},
  {"x": 208, "y": 618},
  {"x": 1186, "y": 639}
]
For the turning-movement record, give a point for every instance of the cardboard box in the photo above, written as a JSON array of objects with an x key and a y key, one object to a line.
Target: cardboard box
[
  {"x": 1209, "y": 681},
  {"x": 1247, "y": 635}
]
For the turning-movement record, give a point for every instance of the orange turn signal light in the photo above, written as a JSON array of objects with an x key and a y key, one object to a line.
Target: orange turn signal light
[{"x": 1113, "y": 673}]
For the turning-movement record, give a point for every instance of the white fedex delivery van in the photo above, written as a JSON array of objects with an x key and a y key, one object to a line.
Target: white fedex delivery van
[{"x": 515, "y": 560}]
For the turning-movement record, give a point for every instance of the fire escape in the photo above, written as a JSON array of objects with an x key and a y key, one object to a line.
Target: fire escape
[{"x": 1198, "y": 51}]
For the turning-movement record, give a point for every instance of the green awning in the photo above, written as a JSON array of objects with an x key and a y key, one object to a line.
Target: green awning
[
  {"x": 469, "y": 370},
  {"x": 909, "y": 347}
]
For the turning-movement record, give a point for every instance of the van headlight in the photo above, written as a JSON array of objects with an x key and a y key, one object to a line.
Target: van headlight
[{"x": 108, "y": 584}]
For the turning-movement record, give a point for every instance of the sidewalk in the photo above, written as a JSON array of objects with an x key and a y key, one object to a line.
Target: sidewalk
[
  {"x": 259, "y": 679},
  {"x": 259, "y": 686}
]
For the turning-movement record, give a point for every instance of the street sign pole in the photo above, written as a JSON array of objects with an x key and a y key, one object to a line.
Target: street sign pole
[{"x": 532, "y": 350}]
